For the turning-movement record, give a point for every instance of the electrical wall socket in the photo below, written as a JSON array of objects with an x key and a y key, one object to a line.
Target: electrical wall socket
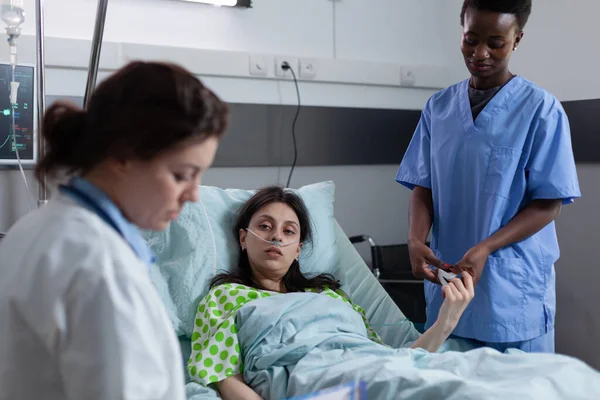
[
  {"x": 280, "y": 72},
  {"x": 308, "y": 69},
  {"x": 407, "y": 77},
  {"x": 259, "y": 66}
]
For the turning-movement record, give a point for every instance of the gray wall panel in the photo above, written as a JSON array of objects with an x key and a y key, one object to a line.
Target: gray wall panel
[
  {"x": 584, "y": 118},
  {"x": 260, "y": 135}
]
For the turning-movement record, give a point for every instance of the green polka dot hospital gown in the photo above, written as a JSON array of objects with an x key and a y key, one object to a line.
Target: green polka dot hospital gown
[{"x": 216, "y": 352}]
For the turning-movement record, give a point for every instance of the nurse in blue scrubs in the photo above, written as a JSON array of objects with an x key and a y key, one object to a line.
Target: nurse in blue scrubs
[{"x": 490, "y": 166}]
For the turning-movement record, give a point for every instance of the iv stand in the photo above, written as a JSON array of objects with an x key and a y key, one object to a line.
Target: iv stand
[
  {"x": 41, "y": 79},
  {"x": 41, "y": 96},
  {"x": 96, "y": 48}
]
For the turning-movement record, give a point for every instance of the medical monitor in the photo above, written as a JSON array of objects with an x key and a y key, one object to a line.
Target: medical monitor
[{"x": 26, "y": 139}]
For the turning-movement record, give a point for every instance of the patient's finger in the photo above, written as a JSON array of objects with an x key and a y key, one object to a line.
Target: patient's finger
[
  {"x": 468, "y": 281},
  {"x": 458, "y": 283},
  {"x": 466, "y": 295},
  {"x": 447, "y": 293},
  {"x": 455, "y": 292}
]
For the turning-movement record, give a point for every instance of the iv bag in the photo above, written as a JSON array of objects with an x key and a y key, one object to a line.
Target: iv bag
[{"x": 12, "y": 12}]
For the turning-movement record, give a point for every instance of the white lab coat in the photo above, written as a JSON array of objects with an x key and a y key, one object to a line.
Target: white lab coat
[{"x": 79, "y": 317}]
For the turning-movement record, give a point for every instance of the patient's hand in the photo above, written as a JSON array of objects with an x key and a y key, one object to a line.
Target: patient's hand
[
  {"x": 457, "y": 296},
  {"x": 234, "y": 388}
]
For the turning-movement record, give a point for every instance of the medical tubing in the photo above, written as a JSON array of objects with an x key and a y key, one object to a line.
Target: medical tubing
[
  {"x": 287, "y": 66},
  {"x": 272, "y": 242},
  {"x": 14, "y": 88}
]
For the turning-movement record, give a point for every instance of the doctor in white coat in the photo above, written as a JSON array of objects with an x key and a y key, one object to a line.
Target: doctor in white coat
[{"x": 79, "y": 317}]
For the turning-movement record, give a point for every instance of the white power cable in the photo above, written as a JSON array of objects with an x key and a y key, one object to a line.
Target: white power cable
[{"x": 280, "y": 128}]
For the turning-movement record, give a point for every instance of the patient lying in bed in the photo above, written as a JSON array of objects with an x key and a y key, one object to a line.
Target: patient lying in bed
[{"x": 267, "y": 331}]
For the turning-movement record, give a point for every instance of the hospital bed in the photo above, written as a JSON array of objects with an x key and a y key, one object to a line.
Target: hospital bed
[
  {"x": 390, "y": 264},
  {"x": 357, "y": 280},
  {"x": 199, "y": 244}
]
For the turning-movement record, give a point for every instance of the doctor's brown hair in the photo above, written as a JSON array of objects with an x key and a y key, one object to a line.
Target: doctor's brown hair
[{"x": 140, "y": 111}]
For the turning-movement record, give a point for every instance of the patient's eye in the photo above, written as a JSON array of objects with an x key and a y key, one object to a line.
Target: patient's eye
[
  {"x": 264, "y": 226},
  {"x": 290, "y": 232}
]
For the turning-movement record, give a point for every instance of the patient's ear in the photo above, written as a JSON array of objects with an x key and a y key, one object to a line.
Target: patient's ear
[
  {"x": 298, "y": 249},
  {"x": 243, "y": 235}
]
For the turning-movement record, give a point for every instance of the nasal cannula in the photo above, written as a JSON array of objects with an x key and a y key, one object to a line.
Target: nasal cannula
[{"x": 275, "y": 243}]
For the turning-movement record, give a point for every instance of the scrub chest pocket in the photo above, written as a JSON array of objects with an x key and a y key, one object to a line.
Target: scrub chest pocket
[{"x": 502, "y": 167}]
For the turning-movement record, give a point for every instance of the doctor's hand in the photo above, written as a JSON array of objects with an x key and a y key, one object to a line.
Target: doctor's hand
[
  {"x": 474, "y": 261},
  {"x": 457, "y": 295},
  {"x": 421, "y": 257}
]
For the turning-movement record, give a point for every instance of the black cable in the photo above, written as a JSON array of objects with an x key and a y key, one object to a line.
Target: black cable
[{"x": 286, "y": 66}]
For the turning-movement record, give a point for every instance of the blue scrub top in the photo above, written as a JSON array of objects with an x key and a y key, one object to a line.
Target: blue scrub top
[
  {"x": 481, "y": 174},
  {"x": 90, "y": 196}
]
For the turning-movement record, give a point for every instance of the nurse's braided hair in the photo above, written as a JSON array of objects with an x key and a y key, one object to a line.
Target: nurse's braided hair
[
  {"x": 521, "y": 9},
  {"x": 140, "y": 111},
  {"x": 294, "y": 280}
]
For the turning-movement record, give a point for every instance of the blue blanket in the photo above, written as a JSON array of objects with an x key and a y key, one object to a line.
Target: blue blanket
[{"x": 300, "y": 343}]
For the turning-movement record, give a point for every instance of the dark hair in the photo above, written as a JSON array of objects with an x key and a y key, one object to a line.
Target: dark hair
[
  {"x": 294, "y": 280},
  {"x": 521, "y": 9},
  {"x": 140, "y": 111}
]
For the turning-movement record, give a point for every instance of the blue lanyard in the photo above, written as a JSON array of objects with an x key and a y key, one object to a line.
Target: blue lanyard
[
  {"x": 136, "y": 242},
  {"x": 86, "y": 200}
]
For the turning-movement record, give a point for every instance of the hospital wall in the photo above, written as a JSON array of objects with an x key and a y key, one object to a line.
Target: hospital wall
[
  {"x": 383, "y": 31},
  {"x": 309, "y": 28}
]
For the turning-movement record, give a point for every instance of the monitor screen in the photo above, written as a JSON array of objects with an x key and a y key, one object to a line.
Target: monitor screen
[{"x": 24, "y": 116}]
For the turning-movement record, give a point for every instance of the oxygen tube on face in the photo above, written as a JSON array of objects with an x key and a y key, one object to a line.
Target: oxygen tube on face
[{"x": 275, "y": 243}]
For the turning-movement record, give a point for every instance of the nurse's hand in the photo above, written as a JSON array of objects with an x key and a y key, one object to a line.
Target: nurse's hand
[
  {"x": 457, "y": 295},
  {"x": 474, "y": 261},
  {"x": 421, "y": 257}
]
